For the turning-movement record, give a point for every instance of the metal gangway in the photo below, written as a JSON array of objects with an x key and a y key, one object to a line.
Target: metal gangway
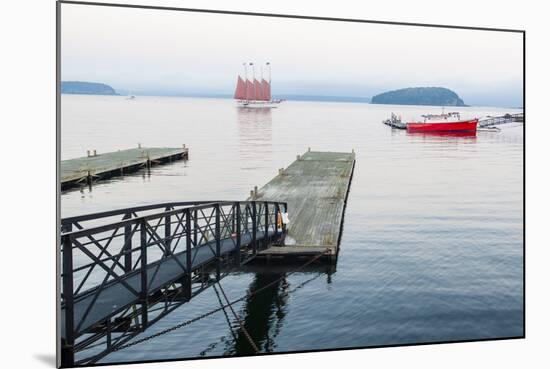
[
  {"x": 124, "y": 270},
  {"x": 494, "y": 121}
]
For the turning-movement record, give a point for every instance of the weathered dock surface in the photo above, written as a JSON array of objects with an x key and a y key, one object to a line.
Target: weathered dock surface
[
  {"x": 315, "y": 187},
  {"x": 100, "y": 166}
]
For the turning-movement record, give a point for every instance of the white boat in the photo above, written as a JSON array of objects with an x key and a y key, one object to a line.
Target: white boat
[{"x": 254, "y": 93}]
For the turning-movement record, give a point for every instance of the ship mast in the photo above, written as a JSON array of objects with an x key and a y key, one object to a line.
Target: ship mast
[
  {"x": 268, "y": 64},
  {"x": 253, "y": 79},
  {"x": 245, "y": 79}
]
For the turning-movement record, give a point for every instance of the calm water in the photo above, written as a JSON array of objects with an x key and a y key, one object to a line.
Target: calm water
[{"x": 432, "y": 242}]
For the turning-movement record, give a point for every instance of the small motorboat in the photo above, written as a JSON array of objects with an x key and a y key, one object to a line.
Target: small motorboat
[{"x": 444, "y": 122}]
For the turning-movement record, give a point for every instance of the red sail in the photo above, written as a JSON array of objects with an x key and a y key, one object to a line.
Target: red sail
[
  {"x": 249, "y": 90},
  {"x": 258, "y": 95},
  {"x": 266, "y": 90},
  {"x": 240, "y": 91}
]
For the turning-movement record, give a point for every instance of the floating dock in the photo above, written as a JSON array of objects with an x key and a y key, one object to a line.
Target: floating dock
[
  {"x": 101, "y": 166},
  {"x": 315, "y": 187},
  {"x": 495, "y": 121},
  {"x": 394, "y": 122}
]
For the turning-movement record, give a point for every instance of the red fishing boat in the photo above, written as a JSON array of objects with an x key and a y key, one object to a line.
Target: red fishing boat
[{"x": 445, "y": 122}]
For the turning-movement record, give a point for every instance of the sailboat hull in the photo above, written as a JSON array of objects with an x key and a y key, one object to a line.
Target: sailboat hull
[{"x": 258, "y": 104}]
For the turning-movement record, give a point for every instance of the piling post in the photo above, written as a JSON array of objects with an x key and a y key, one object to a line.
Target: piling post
[
  {"x": 332, "y": 257},
  {"x": 67, "y": 349},
  {"x": 143, "y": 273},
  {"x": 280, "y": 171},
  {"x": 95, "y": 152},
  {"x": 255, "y": 191},
  {"x": 285, "y": 206},
  {"x": 185, "y": 153},
  {"x": 88, "y": 153}
]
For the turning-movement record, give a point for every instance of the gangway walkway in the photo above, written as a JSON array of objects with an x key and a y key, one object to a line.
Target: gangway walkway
[{"x": 115, "y": 273}]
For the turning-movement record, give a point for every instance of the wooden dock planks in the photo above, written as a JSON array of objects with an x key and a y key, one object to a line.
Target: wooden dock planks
[
  {"x": 74, "y": 171},
  {"x": 315, "y": 186}
]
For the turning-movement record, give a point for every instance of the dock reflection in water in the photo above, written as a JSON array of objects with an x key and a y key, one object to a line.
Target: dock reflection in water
[{"x": 263, "y": 314}]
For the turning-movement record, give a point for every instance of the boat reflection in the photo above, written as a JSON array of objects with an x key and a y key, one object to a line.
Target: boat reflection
[
  {"x": 444, "y": 138},
  {"x": 255, "y": 131},
  {"x": 443, "y": 134}
]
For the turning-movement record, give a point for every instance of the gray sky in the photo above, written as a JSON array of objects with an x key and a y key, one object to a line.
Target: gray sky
[{"x": 178, "y": 52}]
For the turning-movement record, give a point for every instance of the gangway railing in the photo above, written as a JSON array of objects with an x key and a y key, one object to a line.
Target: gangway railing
[
  {"x": 125, "y": 269},
  {"x": 507, "y": 118}
]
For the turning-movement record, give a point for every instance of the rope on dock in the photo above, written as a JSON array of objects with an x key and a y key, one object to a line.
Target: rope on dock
[{"x": 211, "y": 312}]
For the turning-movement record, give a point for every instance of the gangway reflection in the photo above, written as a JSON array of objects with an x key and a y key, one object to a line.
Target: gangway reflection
[{"x": 264, "y": 313}]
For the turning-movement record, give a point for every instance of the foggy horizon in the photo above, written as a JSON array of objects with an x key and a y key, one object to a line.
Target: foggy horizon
[{"x": 179, "y": 53}]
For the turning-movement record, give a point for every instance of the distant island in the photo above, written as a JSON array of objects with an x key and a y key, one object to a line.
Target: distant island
[
  {"x": 437, "y": 96},
  {"x": 86, "y": 88}
]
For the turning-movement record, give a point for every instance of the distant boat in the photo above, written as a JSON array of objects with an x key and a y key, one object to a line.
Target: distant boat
[
  {"x": 254, "y": 93},
  {"x": 444, "y": 122},
  {"x": 130, "y": 96}
]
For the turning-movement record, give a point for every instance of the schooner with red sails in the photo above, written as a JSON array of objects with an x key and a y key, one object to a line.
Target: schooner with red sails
[{"x": 252, "y": 93}]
